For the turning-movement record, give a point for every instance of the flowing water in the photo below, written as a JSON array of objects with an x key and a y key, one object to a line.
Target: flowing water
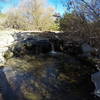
[{"x": 52, "y": 49}]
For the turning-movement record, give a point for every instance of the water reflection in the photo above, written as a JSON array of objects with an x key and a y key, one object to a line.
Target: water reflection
[
  {"x": 6, "y": 90},
  {"x": 42, "y": 78}
]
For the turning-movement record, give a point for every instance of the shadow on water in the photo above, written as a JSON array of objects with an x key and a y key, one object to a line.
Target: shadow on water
[
  {"x": 46, "y": 78},
  {"x": 5, "y": 89}
]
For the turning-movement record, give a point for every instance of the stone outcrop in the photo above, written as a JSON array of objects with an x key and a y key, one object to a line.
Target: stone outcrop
[
  {"x": 35, "y": 44},
  {"x": 32, "y": 46},
  {"x": 6, "y": 40}
]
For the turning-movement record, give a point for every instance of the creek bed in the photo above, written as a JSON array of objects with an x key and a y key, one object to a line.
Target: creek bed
[{"x": 46, "y": 77}]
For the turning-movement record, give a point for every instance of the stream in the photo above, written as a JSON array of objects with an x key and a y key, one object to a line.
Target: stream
[{"x": 45, "y": 77}]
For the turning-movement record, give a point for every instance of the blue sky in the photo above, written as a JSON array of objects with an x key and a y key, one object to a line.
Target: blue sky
[
  {"x": 5, "y": 4},
  {"x": 58, "y": 5},
  {"x": 9, "y": 3}
]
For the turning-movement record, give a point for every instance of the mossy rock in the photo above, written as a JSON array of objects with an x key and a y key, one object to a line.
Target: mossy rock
[
  {"x": 31, "y": 96},
  {"x": 8, "y": 54}
]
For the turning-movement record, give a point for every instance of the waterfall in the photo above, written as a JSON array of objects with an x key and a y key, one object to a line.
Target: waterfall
[{"x": 53, "y": 49}]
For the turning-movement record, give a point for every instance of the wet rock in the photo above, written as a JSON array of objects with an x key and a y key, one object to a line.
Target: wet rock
[
  {"x": 37, "y": 84},
  {"x": 27, "y": 43},
  {"x": 79, "y": 48},
  {"x": 96, "y": 80},
  {"x": 32, "y": 46},
  {"x": 87, "y": 49},
  {"x": 72, "y": 48},
  {"x": 57, "y": 44}
]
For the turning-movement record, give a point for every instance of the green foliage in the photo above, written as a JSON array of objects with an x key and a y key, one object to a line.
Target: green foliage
[
  {"x": 83, "y": 20},
  {"x": 2, "y": 15},
  {"x": 54, "y": 27},
  {"x": 31, "y": 96},
  {"x": 2, "y": 20},
  {"x": 8, "y": 54},
  {"x": 69, "y": 22}
]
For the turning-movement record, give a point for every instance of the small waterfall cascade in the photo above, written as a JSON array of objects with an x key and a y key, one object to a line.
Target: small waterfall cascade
[{"x": 53, "y": 49}]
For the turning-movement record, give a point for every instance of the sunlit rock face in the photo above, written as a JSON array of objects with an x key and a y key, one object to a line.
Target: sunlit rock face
[
  {"x": 25, "y": 43},
  {"x": 2, "y": 60},
  {"x": 6, "y": 40}
]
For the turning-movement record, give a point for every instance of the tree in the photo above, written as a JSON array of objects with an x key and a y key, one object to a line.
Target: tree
[
  {"x": 35, "y": 14},
  {"x": 39, "y": 13},
  {"x": 86, "y": 10},
  {"x": 72, "y": 25},
  {"x": 90, "y": 8},
  {"x": 88, "y": 14},
  {"x": 15, "y": 20}
]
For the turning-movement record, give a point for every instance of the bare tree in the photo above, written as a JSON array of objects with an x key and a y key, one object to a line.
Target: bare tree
[
  {"x": 31, "y": 15},
  {"x": 15, "y": 20},
  {"x": 38, "y": 13},
  {"x": 88, "y": 11}
]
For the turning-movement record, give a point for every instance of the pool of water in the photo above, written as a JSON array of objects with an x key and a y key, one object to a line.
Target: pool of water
[{"x": 45, "y": 77}]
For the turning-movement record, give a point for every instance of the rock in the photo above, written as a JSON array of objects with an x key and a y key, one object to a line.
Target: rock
[
  {"x": 79, "y": 48},
  {"x": 96, "y": 80},
  {"x": 73, "y": 48},
  {"x": 6, "y": 40},
  {"x": 7, "y": 92},
  {"x": 19, "y": 36},
  {"x": 8, "y": 54},
  {"x": 57, "y": 44},
  {"x": 29, "y": 43},
  {"x": 2, "y": 59},
  {"x": 32, "y": 45},
  {"x": 1, "y": 97},
  {"x": 9, "y": 72},
  {"x": 87, "y": 49}
]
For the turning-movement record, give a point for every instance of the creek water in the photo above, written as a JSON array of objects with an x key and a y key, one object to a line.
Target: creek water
[{"x": 45, "y": 77}]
